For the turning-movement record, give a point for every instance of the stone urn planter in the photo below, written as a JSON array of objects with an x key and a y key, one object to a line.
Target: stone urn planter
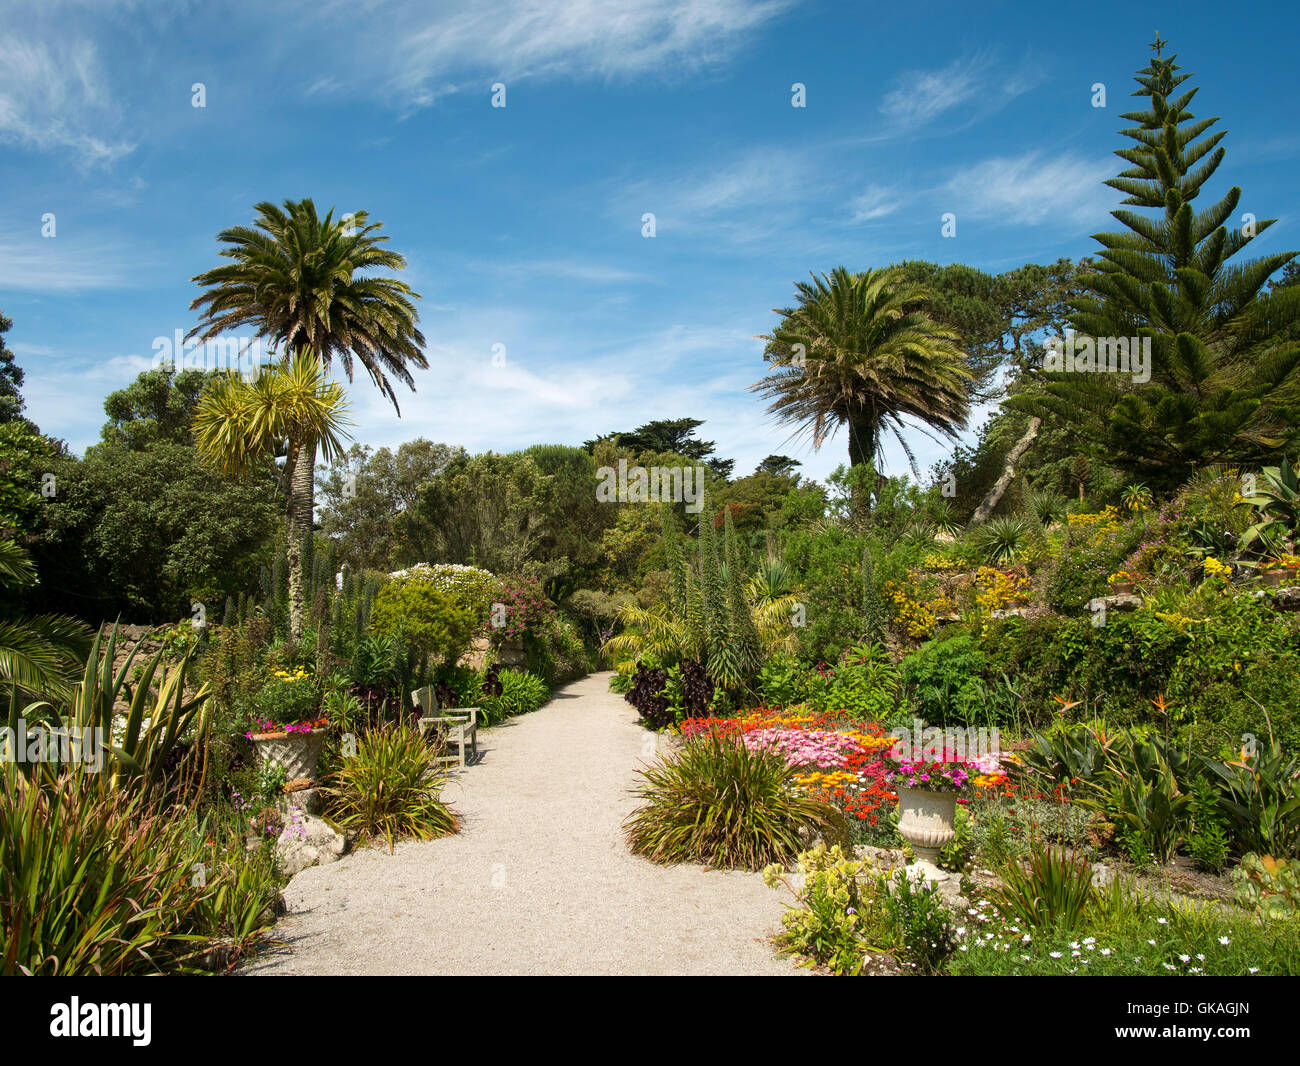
[
  {"x": 927, "y": 820},
  {"x": 1121, "y": 588},
  {"x": 1278, "y": 578},
  {"x": 297, "y": 752}
]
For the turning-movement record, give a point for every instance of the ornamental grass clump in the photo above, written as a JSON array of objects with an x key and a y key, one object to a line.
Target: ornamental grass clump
[
  {"x": 390, "y": 788},
  {"x": 1052, "y": 889},
  {"x": 718, "y": 803}
]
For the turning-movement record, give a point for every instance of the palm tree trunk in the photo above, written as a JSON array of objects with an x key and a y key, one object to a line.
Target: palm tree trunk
[
  {"x": 300, "y": 512},
  {"x": 863, "y": 437},
  {"x": 1008, "y": 474}
]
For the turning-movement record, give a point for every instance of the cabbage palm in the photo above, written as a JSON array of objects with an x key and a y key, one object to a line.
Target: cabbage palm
[
  {"x": 239, "y": 423},
  {"x": 310, "y": 284},
  {"x": 859, "y": 350}
]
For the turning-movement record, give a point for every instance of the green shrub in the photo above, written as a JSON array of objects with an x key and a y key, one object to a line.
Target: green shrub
[
  {"x": 921, "y": 923},
  {"x": 839, "y": 922},
  {"x": 288, "y": 697},
  {"x": 1144, "y": 790},
  {"x": 469, "y": 586},
  {"x": 424, "y": 618},
  {"x": 555, "y": 651},
  {"x": 865, "y": 685},
  {"x": 521, "y": 693},
  {"x": 784, "y": 681},
  {"x": 718, "y": 803},
  {"x": 391, "y": 787},
  {"x": 1268, "y": 885},
  {"x": 1207, "y": 836},
  {"x": 942, "y": 682},
  {"x": 956, "y": 855}
]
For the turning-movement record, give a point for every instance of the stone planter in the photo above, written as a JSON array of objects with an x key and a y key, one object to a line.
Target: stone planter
[
  {"x": 927, "y": 820},
  {"x": 1121, "y": 588},
  {"x": 296, "y": 752},
  {"x": 1280, "y": 578}
]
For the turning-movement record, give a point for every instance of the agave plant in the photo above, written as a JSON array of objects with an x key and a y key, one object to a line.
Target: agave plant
[
  {"x": 1046, "y": 506},
  {"x": 1003, "y": 539},
  {"x": 154, "y": 723}
]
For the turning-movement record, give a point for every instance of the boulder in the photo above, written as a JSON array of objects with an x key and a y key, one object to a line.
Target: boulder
[{"x": 308, "y": 841}]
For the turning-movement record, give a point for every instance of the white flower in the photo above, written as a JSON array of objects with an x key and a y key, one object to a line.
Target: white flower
[
  {"x": 1163, "y": 921},
  {"x": 1200, "y": 957},
  {"x": 1055, "y": 954},
  {"x": 1224, "y": 940},
  {"x": 1105, "y": 951},
  {"x": 1090, "y": 940},
  {"x": 1254, "y": 969},
  {"x": 1184, "y": 958},
  {"x": 1026, "y": 938}
]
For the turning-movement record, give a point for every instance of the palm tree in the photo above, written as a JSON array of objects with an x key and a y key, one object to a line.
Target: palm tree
[
  {"x": 239, "y": 423},
  {"x": 308, "y": 284},
  {"x": 39, "y": 656},
  {"x": 860, "y": 350}
]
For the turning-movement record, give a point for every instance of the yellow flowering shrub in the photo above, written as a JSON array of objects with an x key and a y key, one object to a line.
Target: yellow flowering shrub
[
  {"x": 913, "y": 610},
  {"x": 995, "y": 588}
]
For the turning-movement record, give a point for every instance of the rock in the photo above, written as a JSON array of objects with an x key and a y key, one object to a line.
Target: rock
[
  {"x": 883, "y": 858},
  {"x": 1125, "y": 601},
  {"x": 1287, "y": 599},
  {"x": 307, "y": 841},
  {"x": 1102, "y": 875}
]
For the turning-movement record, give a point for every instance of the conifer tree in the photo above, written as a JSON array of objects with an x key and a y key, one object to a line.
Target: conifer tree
[{"x": 1223, "y": 381}]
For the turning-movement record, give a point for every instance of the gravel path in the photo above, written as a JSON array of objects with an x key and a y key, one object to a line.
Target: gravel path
[{"x": 539, "y": 879}]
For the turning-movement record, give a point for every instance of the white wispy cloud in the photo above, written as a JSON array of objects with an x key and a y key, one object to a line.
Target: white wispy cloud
[
  {"x": 921, "y": 95},
  {"x": 60, "y": 264},
  {"x": 876, "y": 201},
  {"x": 430, "y": 49},
  {"x": 742, "y": 199},
  {"x": 985, "y": 85},
  {"x": 571, "y": 269},
  {"x": 1034, "y": 188},
  {"x": 54, "y": 97}
]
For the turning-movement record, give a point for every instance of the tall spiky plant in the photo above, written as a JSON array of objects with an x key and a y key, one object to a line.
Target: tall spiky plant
[
  {"x": 743, "y": 634},
  {"x": 1223, "y": 382}
]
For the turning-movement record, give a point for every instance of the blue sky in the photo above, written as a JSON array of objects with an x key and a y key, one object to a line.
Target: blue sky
[{"x": 522, "y": 225}]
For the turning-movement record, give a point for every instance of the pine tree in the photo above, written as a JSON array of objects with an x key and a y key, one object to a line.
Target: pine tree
[{"x": 1223, "y": 384}]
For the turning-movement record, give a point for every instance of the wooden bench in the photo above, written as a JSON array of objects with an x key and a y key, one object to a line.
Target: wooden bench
[{"x": 457, "y": 725}]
